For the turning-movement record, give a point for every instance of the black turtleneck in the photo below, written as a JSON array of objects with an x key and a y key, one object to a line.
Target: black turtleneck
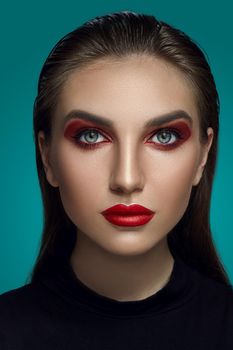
[{"x": 59, "y": 312}]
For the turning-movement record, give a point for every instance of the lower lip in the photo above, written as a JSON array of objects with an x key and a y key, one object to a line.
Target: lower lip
[{"x": 127, "y": 220}]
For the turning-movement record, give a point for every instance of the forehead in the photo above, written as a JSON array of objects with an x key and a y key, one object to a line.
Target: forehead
[{"x": 133, "y": 89}]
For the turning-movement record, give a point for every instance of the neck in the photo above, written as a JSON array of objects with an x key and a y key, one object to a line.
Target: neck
[{"x": 122, "y": 278}]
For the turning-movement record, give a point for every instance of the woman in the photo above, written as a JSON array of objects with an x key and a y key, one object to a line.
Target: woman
[{"x": 126, "y": 130}]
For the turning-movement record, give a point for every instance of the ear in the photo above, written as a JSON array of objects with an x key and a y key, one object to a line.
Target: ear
[
  {"x": 44, "y": 152},
  {"x": 204, "y": 157}
]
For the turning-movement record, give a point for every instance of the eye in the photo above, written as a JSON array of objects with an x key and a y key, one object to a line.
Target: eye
[
  {"x": 167, "y": 136},
  {"x": 164, "y": 139},
  {"x": 88, "y": 138}
]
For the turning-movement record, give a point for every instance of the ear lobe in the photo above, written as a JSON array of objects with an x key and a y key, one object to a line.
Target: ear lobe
[
  {"x": 44, "y": 152},
  {"x": 204, "y": 157}
]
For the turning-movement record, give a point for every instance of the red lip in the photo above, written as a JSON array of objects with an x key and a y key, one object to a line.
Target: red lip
[
  {"x": 133, "y": 209},
  {"x": 123, "y": 215}
]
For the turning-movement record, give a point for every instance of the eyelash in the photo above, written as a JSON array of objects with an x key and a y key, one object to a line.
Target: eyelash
[{"x": 168, "y": 146}]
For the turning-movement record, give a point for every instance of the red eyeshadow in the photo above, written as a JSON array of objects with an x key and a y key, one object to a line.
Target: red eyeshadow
[
  {"x": 181, "y": 128},
  {"x": 75, "y": 125}
]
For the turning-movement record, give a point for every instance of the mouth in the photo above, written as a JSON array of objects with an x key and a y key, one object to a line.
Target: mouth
[{"x": 132, "y": 215}]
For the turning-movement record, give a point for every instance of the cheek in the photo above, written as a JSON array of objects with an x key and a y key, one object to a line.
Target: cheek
[
  {"x": 175, "y": 181},
  {"x": 79, "y": 182}
]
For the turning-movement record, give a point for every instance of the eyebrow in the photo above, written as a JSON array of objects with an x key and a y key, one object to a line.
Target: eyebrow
[{"x": 100, "y": 120}]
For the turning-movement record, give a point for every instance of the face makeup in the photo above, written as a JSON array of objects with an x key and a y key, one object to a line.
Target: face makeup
[
  {"x": 135, "y": 141},
  {"x": 166, "y": 138}
]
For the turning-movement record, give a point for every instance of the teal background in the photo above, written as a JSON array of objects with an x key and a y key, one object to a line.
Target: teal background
[{"x": 29, "y": 30}]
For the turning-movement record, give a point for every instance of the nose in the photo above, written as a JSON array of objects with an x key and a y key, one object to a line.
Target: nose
[{"x": 127, "y": 175}]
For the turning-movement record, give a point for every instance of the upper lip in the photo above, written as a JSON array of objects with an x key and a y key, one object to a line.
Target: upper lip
[{"x": 133, "y": 209}]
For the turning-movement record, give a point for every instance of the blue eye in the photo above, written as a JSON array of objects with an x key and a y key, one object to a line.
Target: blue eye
[
  {"x": 168, "y": 139},
  {"x": 164, "y": 136},
  {"x": 88, "y": 138},
  {"x": 93, "y": 136}
]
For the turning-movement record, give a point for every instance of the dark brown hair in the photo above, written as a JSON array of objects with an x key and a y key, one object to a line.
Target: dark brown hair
[{"x": 118, "y": 35}]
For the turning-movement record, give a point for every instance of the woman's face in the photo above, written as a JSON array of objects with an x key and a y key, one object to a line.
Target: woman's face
[{"x": 128, "y": 161}]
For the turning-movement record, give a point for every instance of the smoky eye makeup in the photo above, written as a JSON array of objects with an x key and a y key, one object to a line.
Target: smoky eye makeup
[
  {"x": 77, "y": 127},
  {"x": 171, "y": 136},
  {"x": 165, "y": 137}
]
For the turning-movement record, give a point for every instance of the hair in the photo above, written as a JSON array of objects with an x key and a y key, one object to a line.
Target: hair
[{"x": 115, "y": 36}]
